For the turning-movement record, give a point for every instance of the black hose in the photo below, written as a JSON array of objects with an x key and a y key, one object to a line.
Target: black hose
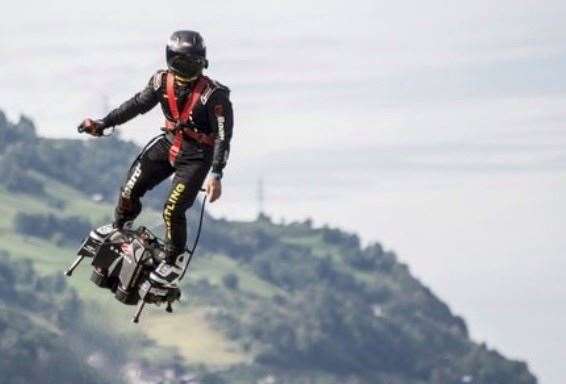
[{"x": 195, "y": 243}]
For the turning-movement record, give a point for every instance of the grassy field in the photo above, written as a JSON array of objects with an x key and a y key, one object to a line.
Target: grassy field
[
  {"x": 215, "y": 267},
  {"x": 190, "y": 332}
]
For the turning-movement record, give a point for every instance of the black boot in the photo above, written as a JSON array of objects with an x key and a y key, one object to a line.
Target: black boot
[
  {"x": 169, "y": 270},
  {"x": 121, "y": 225}
]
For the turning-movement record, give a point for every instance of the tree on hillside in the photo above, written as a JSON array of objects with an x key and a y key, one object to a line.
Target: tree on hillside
[{"x": 48, "y": 226}]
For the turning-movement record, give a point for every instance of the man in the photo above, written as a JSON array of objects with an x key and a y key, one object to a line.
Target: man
[{"x": 198, "y": 129}]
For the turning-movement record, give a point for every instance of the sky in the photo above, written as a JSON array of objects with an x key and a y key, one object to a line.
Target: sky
[{"x": 435, "y": 128}]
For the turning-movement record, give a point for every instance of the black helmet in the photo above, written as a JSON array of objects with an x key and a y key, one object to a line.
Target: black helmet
[{"x": 186, "y": 54}]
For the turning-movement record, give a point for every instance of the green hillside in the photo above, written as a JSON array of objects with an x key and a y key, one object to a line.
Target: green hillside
[
  {"x": 263, "y": 302},
  {"x": 39, "y": 340}
]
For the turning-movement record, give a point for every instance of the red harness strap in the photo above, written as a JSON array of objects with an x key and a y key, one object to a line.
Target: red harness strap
[{"x": 184, "y": 116}]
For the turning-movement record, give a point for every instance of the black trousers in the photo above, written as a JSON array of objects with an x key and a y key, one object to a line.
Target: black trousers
[{"x": 153, "y": 166}]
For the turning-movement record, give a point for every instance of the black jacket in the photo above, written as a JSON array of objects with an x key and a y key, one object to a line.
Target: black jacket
[{"x": 212, "y": 115}]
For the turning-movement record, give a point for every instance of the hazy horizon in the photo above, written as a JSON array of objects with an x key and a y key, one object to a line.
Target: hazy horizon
[{"x": 436, "y": 129}]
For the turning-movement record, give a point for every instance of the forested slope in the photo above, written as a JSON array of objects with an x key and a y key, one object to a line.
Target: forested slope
[
  {"x": 282, "y": 303},
  {"x": 37, "y": 338}
]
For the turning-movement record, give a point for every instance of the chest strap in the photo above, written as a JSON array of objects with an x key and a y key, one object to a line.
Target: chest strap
[{"x": 180, "y": 119}]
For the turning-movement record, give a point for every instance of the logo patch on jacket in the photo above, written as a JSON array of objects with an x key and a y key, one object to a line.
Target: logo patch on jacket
[
  {"x": 158, "y": 80},
  {"x": 206, "y": 94},
  {"x": 221, "y": 120}
]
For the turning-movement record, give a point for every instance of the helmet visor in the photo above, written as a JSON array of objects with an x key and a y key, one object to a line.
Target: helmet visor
[{"x": 187, "y": 66}]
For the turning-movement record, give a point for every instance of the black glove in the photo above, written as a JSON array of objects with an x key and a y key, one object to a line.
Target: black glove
[{"x": 92, "y": 127}]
